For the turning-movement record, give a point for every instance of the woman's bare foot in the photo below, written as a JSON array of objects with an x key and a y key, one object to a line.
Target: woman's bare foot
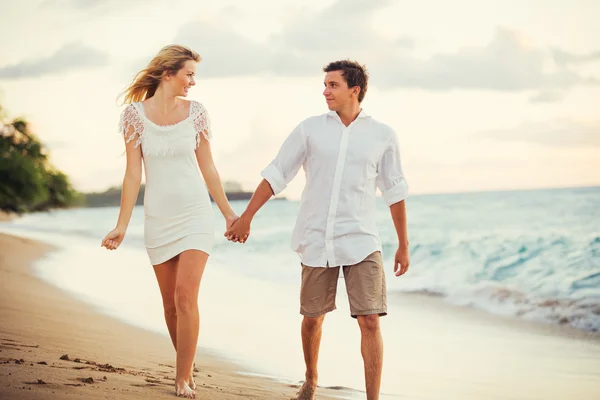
[
  {"x": 183, "y": 390},
  {"x": 191, "y": 383},
  {"x": 307, "y": 391}
]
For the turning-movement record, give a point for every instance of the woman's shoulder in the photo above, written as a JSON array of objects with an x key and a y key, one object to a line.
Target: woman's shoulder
[
  {"x": 197, "y": 109},
  {"x": 195, "y": 104},
  {"x": 131, "y": 109}
]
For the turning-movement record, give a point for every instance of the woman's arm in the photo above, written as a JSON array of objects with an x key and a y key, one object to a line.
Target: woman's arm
[
  {"x": 129, "y": 192},
  {"x": 131, "y": 182},
  {"x": 213, "y": 180}
]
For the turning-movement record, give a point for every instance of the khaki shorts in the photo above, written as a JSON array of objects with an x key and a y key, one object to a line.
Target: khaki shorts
[{"x": 365, "y": 284}]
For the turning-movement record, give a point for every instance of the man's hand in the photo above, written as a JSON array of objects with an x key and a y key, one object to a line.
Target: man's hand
[
  {"x": 239, "y": 231},
  {"x": 401, "y": 261},
  {"x": 229, "y": 220}
]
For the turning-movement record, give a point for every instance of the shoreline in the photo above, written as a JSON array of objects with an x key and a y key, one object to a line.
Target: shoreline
[
  {"x": 469, "y": 353},
  {"x": 104, "y": 356},
  {"x": 480, "y": 315},
  {"x": 7, "y": 216}
]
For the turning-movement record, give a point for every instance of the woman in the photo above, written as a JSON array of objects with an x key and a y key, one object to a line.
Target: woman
[{"x": 172, "y": 137}]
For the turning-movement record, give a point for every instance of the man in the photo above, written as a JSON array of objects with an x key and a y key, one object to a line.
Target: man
[{"x": 346, "y": 155}]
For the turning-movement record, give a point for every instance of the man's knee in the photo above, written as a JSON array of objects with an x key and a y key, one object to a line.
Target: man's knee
[
  {"x": 313, "y": 323},
  {"x": 368, "y": 323}
]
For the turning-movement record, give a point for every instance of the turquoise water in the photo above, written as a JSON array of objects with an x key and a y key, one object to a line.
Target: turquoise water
[
  {"x": 534, "y": 254},
  {"x": 530, "y": 254}
]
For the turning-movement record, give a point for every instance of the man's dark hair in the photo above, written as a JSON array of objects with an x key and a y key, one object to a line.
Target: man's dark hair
[{"x": 354, "y": 74}]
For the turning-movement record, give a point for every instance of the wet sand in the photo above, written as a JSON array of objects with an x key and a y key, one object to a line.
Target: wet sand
[{"x": 53, "y": 346}]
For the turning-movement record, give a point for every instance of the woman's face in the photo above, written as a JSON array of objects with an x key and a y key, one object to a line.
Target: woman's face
[{"x": 183, "y": 80}]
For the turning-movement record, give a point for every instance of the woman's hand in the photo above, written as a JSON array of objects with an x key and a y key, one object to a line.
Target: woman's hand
[
  {"x": 229, "y": 220},
  {"x": 113, "y": 239},
  {"x": 239, "y": 231}
]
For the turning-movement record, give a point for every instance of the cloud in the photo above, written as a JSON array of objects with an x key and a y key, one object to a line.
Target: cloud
[
  {"x": 89, "y": 5},
  {"x": 74, "y": 4},
  {"x": 311, "y": 39},
  {"x": 225, "y": 52},
  {"x": 72, "y": 56},
  {"x": 563, "y": 58},
  {"x": 558, "y": 133},
  {"x": 505, "y": 64},
  {"x": 346, "y": 27},
  {"x": 308, "y": 42},
  {"x": 548, "y": 96}
]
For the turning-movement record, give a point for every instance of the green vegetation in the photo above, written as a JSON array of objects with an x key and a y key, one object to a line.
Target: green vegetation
[{"x": 28, "y": 181}]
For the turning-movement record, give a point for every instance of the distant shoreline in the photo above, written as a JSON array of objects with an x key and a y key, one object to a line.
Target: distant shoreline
[{"x": 112, "y": 197}]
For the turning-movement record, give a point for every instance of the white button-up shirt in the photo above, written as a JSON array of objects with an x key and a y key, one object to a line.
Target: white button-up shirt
[{"x": 336, "y": 224}]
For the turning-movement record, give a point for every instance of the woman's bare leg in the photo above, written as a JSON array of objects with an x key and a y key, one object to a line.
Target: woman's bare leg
[
  {"x": 166, "y": 275},
  {"x": 190, "y": 267}
]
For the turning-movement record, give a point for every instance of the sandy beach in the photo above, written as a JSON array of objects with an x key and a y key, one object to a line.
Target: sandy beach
[{"x": 53, "y": 346}]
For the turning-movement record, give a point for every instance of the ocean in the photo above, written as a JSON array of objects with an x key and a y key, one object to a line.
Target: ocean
[{"x": 532, "y": 255}]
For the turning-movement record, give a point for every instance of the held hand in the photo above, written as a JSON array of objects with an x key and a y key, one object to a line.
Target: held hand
[
  {"x": 229, "y": 220},
  {"x": 401, "y": 261},
  {"x": 113, "y": 239},
  {"x": 239, "y": 231}
]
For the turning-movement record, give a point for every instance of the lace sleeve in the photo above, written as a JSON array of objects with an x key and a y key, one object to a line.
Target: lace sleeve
[
  {"x": 131, "y": 118},
  {"x": 201, "y": 122}
]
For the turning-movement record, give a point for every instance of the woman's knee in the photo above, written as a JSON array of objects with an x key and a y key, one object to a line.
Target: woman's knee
[
  {"x": 185, "y": 300},
  {"x": 170, "y": 308}
]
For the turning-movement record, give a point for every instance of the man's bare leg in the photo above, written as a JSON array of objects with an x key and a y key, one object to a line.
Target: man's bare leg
[
  {"x": 372, "y": 352},
  {"x": 311, "y": 341}
]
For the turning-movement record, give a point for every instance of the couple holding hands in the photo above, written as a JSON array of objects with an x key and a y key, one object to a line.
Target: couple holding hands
[{"x": 346, "y": 155}]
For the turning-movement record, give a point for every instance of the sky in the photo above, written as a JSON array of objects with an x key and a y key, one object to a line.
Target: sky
[{"x": 483, "y": 94}]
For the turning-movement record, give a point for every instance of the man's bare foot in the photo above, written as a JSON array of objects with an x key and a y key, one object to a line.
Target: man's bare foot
[
  {"x": 307, "y": 391},
  {"x": 183, "y": 390}
]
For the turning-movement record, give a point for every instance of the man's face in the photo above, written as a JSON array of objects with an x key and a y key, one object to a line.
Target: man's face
[{"x": 337, "y": 93}]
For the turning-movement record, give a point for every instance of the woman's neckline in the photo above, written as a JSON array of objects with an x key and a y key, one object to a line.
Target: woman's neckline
[{"x": 143, "y": 111}]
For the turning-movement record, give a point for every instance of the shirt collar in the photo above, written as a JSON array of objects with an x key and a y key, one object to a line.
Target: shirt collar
[{"x": 361, "y": 114}]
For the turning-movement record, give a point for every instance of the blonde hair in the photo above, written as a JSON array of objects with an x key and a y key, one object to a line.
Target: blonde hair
[{"x": 169, "y": 59}]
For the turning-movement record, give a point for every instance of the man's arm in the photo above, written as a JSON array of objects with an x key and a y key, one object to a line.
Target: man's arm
[
  {"x": 393, "y": 186},
  {"x": 240, "y": 230},
  {"x": 277, "y": 175},
  {"x": 402, "y": 258}
]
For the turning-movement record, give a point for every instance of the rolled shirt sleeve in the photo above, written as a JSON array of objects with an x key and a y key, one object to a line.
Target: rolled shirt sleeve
[
  {"x": 390, "y": 177},
  {"x": 287, "y": 163}
]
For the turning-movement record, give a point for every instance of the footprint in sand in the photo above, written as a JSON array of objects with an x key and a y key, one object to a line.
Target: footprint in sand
[{"x": 38, "y": 382}]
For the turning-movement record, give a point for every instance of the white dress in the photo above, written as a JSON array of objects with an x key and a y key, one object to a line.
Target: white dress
[{"x": 177, "y": 208}]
